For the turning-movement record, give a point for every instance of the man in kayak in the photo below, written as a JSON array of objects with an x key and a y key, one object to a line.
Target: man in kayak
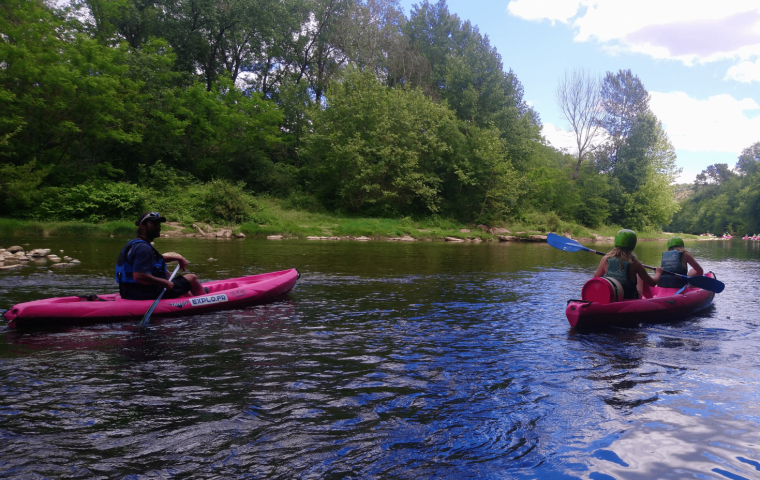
[
  {"x": 622, "y": 265},
  {"x": 676, "y": 260},
  {"x": 141, "y": 270}
]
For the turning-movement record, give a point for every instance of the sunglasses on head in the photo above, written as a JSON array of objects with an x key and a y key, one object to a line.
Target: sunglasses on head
[{"x": 150, "y": 216}]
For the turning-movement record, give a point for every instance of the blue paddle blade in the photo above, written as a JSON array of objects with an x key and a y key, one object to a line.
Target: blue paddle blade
[
  {"x": 563, "y": 243},
  {"x": 707, "y": 283}
]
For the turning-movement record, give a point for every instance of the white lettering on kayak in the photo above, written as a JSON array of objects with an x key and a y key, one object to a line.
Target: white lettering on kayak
[{"x": 196, "y": 302}]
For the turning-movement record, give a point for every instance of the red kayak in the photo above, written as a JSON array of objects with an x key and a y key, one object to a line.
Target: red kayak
[
  {"x": 222, "y": 295},
  {"x": 658, "y": 305}
]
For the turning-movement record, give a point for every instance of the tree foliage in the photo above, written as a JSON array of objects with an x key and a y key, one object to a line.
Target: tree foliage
[
  {"x": 107, "y": 105},
  {"x": 724, "y": 200}
]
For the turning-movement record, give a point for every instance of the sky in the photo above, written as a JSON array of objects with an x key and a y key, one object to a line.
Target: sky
[{"x": 699, "y": 60}]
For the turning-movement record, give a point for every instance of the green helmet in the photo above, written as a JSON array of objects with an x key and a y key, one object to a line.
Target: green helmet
[
  {"x": 625, "y": 238},
  {"x": 675, "y": 242}
]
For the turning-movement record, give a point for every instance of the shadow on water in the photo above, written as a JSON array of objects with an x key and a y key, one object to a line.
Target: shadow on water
[{"x": 387, "y": 360}]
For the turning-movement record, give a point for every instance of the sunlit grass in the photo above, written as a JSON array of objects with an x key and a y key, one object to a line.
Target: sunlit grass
[
  {"x": 274, "y": 219},
  {"x": 18, "y": 228}
]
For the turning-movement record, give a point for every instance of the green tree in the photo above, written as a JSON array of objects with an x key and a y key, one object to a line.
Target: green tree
[
  {"x": 624, "y": 101},
  {"x": 377, "y": 150},
  {"x": 749, "y": 160}
]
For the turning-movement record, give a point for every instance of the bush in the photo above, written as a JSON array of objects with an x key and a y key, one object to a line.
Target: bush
[
  {"x": 228, "y": 201},
  {"x": 92, "y": 203},
  {"x": 298, "y": 200}
]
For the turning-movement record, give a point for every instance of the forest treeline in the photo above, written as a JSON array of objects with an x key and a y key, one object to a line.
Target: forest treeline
[
  {"x": 724, "y": 199},
  {"x": 108, "y": 107}
]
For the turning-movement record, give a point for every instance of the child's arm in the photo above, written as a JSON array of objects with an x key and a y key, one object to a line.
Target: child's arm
[
  {"x": 602, "y": 268},
  {"x": 691, "y": 261},
  {"x": 642, "y": 273}
]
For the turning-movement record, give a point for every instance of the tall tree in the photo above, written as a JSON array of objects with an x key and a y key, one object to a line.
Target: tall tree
[
  {"x": 624, "y": 100},
  {"x": 580, "y": 101},
  {"x": 749, "y": 160}
]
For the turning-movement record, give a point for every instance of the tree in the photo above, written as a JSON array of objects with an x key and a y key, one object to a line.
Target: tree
[
  {"x": 641, "y": 178},
  {"x": 624, "y": 100},
  {"x": 378, "y": 150},
  {"x": 716, "y": 174},
  {"x": 579, "y": 99},
  {"x": 749, "y": 159}
]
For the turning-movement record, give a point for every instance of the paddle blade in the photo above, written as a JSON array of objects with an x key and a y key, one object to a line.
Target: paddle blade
[
  {"x": 563, "y": 243},
  {"x": 707, "y": 283}
]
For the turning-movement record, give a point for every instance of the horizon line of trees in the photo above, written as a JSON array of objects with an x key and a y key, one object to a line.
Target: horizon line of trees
[
  {"x": 347, "y": 105},
  {"x": 724, "y": 200}
]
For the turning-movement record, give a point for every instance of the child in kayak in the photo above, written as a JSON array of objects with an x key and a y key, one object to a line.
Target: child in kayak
[
  {"x": 622, "y": 265},
  {"x": 676, "y": 260}
]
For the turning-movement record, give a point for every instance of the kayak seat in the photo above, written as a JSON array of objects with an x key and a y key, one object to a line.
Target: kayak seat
[
  {"x": 91, "y": 298},
  {"x": 218, "y": 287}
]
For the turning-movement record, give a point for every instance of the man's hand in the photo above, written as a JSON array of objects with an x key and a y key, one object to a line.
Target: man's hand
[{"x": 168, "y": 285}]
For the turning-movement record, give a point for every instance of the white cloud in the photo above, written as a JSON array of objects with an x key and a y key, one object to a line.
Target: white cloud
[
  {"x": 554, "y": 10},
  {"x": 717, "y": 124},
  {"x": 683, "y": 30},
  {"x": 559, "y": 138},
  {"x": 746, "y": 71}
]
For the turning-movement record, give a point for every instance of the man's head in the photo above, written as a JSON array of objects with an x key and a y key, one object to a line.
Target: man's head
[{"x": 149, "y": 225}]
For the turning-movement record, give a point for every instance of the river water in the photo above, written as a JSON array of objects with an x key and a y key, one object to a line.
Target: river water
[{"x": 387, "y": 360}]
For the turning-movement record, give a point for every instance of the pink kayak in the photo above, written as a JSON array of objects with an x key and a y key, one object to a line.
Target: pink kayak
[
  {"x": 658, "y": 305},
  {"x": 222, "y": 295}
]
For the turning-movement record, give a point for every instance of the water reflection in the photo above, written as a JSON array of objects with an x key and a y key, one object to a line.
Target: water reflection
[{"x": 386, "y": 361}]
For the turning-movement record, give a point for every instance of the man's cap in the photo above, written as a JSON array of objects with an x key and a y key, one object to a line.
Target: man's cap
[{"x": 150, "y": 217}]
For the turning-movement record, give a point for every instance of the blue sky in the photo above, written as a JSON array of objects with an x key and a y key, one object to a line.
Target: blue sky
[{"x": 700, "y": 61}]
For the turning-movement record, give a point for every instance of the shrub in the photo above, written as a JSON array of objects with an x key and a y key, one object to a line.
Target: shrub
[{"x": 92, "y": 203}]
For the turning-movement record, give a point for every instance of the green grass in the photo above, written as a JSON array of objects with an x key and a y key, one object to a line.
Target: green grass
[
  {"x": 274, "y": 219},
  {"x": 20, "y": 228}
]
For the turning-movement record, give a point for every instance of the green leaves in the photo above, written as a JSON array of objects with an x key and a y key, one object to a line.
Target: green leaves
[{"x": 378, "y": 149}]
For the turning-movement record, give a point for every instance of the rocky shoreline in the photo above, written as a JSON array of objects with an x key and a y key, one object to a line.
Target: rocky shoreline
[{"x": 16, "y": 257}]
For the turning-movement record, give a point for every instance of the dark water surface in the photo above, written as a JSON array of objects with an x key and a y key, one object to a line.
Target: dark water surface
[{"x": 386, "y": 361}]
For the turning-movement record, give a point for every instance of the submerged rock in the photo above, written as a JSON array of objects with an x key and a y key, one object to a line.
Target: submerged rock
[
  {"x": 454, "y": 240},
  {"x": 12, "y": 267}
]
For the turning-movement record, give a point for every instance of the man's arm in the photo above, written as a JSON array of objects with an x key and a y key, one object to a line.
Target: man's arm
[
  {"x": 148, "y": 279},
  {"x": 176, "y": 258},
  {"x": 143, "y": 262}
]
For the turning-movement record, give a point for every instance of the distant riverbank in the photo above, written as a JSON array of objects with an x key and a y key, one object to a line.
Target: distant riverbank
[{"x": 274, "y": 220}]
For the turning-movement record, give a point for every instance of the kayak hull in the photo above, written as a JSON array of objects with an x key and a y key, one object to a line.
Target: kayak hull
[
  {"x": 223, "y": 295},
  {"x": 659, "y": 305}
]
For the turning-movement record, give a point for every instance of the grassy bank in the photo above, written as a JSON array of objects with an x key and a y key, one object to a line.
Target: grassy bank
[
  {"x": 273, "y": 219},
  {"x": 21, "y": 228}
]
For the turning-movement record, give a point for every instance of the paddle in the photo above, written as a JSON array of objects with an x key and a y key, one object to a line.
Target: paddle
[
  {"x": 699, "y": 281},
  {"x": 146, "y": 319}
]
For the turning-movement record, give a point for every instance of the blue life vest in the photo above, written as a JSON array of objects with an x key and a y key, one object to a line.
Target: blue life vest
[
  {"x": 124, "y": 270},
  {"x": 671, "y": 261},
  {"x": 621, "y": 275}
]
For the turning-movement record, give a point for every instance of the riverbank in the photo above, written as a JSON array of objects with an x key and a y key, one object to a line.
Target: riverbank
[{"x": 276, "y": 222}]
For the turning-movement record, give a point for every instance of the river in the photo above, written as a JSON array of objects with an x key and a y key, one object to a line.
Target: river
[{"x": 387, "y": 360}]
